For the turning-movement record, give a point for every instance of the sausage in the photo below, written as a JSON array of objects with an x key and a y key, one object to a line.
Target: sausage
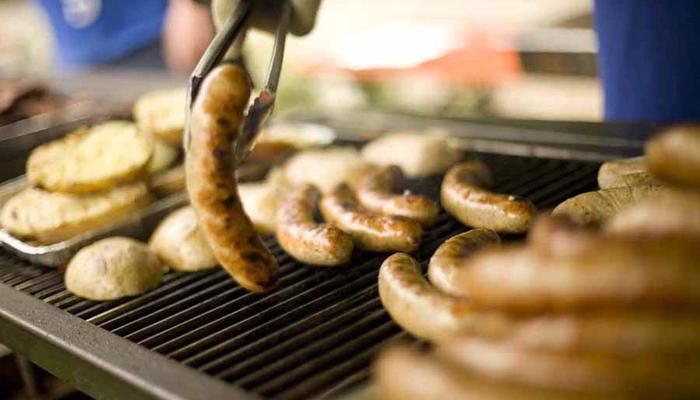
[
  {"x": 634, "y": 179},
  {"x": 675, "y": 213},
  {"x": 621, "y": 333},
  {"x": 403, "y": 373},
  {"x": 643, "y": 375},
  {"x": 305, "y": 239},
  {"x": 594, "y": 208},
  {"x": 674, "y": 155},
  {"x": 611, "y": 172},
  {"x": 446, "y": 263},
  {"x": 598, "y": 272},
  {"x": 216, "y": 116},
  {"x": 463, "y": 195},
  {"x": 424, "y": 311},
  {"x": 370, "y": 231},
  {"x": 377, "y": 192}
]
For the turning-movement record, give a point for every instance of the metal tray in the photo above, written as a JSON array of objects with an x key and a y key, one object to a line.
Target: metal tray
[{"x": 138, "y": 225}]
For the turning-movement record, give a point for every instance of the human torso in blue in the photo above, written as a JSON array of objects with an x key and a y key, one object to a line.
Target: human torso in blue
[{"x": 89, "y": 32}]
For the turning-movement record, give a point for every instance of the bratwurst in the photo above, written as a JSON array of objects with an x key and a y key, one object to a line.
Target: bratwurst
[
  {"x": 423, "y": 310},
  {"x": 213, "y": 191},
  {"x": 370, "y": 231},
  {"x": 464, "y": 194},
  {"x": 445, "y": 266},
  {"x": 305, "y": 239},
  {"x": 379, "y": 191}
]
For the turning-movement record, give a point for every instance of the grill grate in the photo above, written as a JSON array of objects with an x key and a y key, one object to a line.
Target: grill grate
[{"x": 311, "y": 337}]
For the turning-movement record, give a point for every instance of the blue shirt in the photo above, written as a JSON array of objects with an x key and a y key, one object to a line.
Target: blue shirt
[
  {"x": 91, "y": 32},
  {"x": 649, "y": 59}
]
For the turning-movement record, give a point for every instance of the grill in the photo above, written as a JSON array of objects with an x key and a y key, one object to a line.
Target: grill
[{"x": 312, "y": 337}]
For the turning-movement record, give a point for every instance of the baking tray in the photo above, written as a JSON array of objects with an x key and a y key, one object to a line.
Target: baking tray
[{"x": 138, "y": 225}]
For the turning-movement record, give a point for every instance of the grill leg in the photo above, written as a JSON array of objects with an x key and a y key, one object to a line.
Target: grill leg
[{"x": 26, "y": 371}]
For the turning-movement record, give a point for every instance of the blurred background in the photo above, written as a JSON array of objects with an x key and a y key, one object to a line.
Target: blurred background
[{"x": 463, "y": 58}]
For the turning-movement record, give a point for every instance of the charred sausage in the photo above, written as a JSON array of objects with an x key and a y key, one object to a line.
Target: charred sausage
[
  {"x": 464, "y": 195},
  {"x": 216, "y": 116},
  {"x": 370, "y": 231},
  {"x": 305, "y": 239}
]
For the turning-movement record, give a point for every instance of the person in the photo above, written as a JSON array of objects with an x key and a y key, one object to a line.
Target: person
[{"x": 152, "y": 33}]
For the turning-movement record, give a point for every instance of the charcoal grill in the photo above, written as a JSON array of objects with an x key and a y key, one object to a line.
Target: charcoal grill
[{"x": 199, "y": 335}]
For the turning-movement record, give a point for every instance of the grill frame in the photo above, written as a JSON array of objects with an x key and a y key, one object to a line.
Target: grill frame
[{"x": 106, "y": 365}]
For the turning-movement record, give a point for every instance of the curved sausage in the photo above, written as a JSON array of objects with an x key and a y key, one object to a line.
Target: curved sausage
[
  {"x": 216, "y": 116},
  {"x": 446, "y": 263},
  {"x": 599, "y": 271},
  {"x": 377, "y": 192},
  {"x": 611, "y": 172},
  {"x": 643, "y": 375},
  {"x": 305, "y": 239},
  {"x": 674, "y": 155},
  {"x": 675, "y": 213},
  {"x": 369, "y": 231},
  {"x": 424, "y": 311},
  {"x": 621, "y": 333},
  {"x": 593, "y": 208},
  {"x": 463, "y": 195},
  {"x": 403, "y": 373}
]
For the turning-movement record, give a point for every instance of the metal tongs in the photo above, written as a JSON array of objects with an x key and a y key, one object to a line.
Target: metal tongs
[{"x": 263, "y": 104}]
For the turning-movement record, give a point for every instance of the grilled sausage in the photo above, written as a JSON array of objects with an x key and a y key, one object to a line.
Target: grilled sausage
[
  {"x": 673, "y": 213},
  {"x": 621, "y": 333},
  {"x": 305, "y": 239},
  {"x": 424, "y": 311},
  {"x": 369, "y": 231},
  {"x": 377, "y": 192},
  {"x": 611, "y": 172},
  {"x": 403, "y": 373},
  {"x": 599, "y": 271},
  {"x": 463, "y": 195},
  {"x": 594, "y": 208},
  {"x": 646, "y": 375},
  {"x": 445, "y": 264},
  {"x": 634, "y": 179},
  {"x": 216, "y": 116},
  {"x": 674, "y": 155}
]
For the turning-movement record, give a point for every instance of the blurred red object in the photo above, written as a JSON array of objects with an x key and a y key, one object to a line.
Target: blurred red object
[{"x": 476, "y": 58}]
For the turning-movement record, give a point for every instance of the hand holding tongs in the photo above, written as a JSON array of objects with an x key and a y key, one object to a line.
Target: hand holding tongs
[{"x": 263, "y": 104}]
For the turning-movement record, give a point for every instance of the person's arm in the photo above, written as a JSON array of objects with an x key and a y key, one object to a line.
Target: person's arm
[
  {"x": 188, "y": 25},
  {"x": 649, "y": 58},
  {"x": 187, "y": 31}
]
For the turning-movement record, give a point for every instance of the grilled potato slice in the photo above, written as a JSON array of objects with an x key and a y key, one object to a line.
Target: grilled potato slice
[
  {"x": 163, "y": 156},
  {"x": 162, "y": 113},
  {"x": 112, "y": 268},
  {"x": 51, "y": 217},
  {"x": 169, "y": 181},
  {"x": 179, "y": 243},
  {"x": 91, "y": 159}
]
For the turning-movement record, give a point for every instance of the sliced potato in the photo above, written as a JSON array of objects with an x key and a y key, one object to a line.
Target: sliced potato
[
  {"x": 162, "y": 113},
  {"x": 163, "y": 156},
  {"x": 112, "y": 268},
  {"x": 51, "y": 217},
  {"x": 91, "y": 159},
  {"x": 169, "y": 181},
  {"x": 179, "y": 243}
]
